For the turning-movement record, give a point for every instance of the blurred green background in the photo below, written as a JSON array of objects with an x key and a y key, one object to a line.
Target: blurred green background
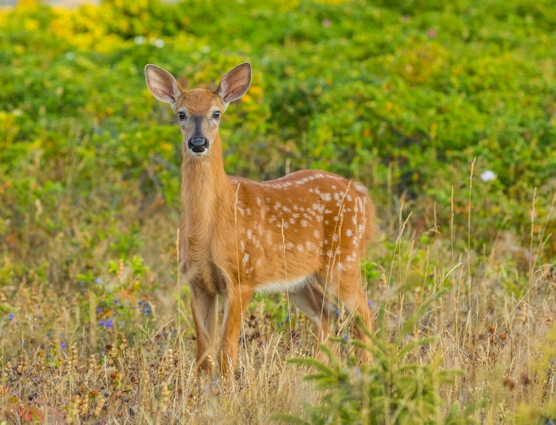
[{"x": 401, "y": 95}]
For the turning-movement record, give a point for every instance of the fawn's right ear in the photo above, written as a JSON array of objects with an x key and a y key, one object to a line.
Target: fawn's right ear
[{"x": 162, "y": 84}]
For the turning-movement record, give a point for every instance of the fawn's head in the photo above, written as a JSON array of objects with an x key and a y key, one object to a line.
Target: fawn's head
[{"x": 198, "y": 110}]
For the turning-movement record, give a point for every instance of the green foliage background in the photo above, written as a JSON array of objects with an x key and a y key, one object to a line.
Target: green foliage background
[{"x": 401, "y": 95}]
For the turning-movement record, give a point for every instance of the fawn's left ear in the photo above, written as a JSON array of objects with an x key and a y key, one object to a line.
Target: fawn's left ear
[
  {"x": 235, "y": 83},
  {"x": 162, "y": 84}
]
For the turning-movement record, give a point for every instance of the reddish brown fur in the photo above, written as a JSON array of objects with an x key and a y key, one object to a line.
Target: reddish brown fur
[{"x": 239, "y": 236}]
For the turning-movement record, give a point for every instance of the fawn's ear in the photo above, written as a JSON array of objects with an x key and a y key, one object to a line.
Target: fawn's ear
[
  {"x": 162, "y": 84},
  {"x": 235, "y": 83}
]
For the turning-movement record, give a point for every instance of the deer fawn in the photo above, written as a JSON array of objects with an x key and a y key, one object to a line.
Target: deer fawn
[{"x": 303, "y": 234}]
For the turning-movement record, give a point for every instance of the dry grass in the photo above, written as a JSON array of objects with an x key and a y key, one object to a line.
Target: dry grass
[{"x": 60, "y": 365}]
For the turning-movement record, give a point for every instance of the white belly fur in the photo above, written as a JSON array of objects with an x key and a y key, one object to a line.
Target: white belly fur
[{"x": 285, "y": 285}]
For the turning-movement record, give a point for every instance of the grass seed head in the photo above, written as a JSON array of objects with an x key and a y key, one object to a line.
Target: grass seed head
[
  {"x": 100, "y": 404},
  {"x": 165, "y": 397},
  {"x": 74, "y": 354},
  {"x": 123, "y": 345},
  {"x": 84, "y": 406}
]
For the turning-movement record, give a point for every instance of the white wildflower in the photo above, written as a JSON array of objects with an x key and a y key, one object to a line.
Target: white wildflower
[
  {"x": 139, "y": 39},
  {"x": 488, "y": 176}
]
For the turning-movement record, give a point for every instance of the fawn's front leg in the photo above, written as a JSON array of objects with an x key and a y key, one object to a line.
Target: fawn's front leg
[
  {"x": 205, "y": 312},
  {"x": 237, "y": 299}
]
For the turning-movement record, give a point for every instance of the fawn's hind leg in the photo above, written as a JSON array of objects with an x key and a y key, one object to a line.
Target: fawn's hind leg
[
  {"x": 310, "y": 299},
  {"x": 345, "y": 286}
]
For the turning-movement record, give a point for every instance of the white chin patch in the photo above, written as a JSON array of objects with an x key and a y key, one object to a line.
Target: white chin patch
[{"x": 203, "y": 153}]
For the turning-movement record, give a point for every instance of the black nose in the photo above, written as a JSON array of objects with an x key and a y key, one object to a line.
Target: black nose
[
  {"x": 198, "y": 141},
  {"x": 198, "y": 144}
]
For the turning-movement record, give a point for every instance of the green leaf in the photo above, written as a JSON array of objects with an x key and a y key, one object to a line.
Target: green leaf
[
  {"x": 307, "y": 361},
  {"x": 414, "y": 345}
]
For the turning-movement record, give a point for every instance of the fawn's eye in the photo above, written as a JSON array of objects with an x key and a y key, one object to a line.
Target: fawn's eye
[
  {"x": 216, "y": 115},
  {"x": 181, "y": 115}
]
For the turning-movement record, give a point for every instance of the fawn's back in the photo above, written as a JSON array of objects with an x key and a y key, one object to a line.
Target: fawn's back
[{"x": 306, "y": 223}]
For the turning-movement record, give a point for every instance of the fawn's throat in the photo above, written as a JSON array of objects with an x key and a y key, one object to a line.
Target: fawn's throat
[{"x": 207, "y": 197}]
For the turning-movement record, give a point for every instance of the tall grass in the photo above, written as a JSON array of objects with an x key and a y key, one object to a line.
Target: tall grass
[{"x": 112, "y": 348}]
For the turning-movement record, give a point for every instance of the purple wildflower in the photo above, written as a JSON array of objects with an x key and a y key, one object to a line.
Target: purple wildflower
[
  {"x": 110, "y": 323},
  {"x": 12, "y": 316},
  {"x": 63, "y": 345},
  {"x": 98, "y": 280},
  {"x": 326, "y": 22}
]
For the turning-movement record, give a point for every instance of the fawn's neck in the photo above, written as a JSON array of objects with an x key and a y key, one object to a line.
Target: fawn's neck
[{"x": 207, "y": 196}]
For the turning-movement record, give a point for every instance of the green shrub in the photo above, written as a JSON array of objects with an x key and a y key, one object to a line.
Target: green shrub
[{"x": 393, "y": 389}]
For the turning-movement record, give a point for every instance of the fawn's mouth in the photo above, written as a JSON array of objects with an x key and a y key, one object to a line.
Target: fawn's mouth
[{"x": 198, "y": 146}]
